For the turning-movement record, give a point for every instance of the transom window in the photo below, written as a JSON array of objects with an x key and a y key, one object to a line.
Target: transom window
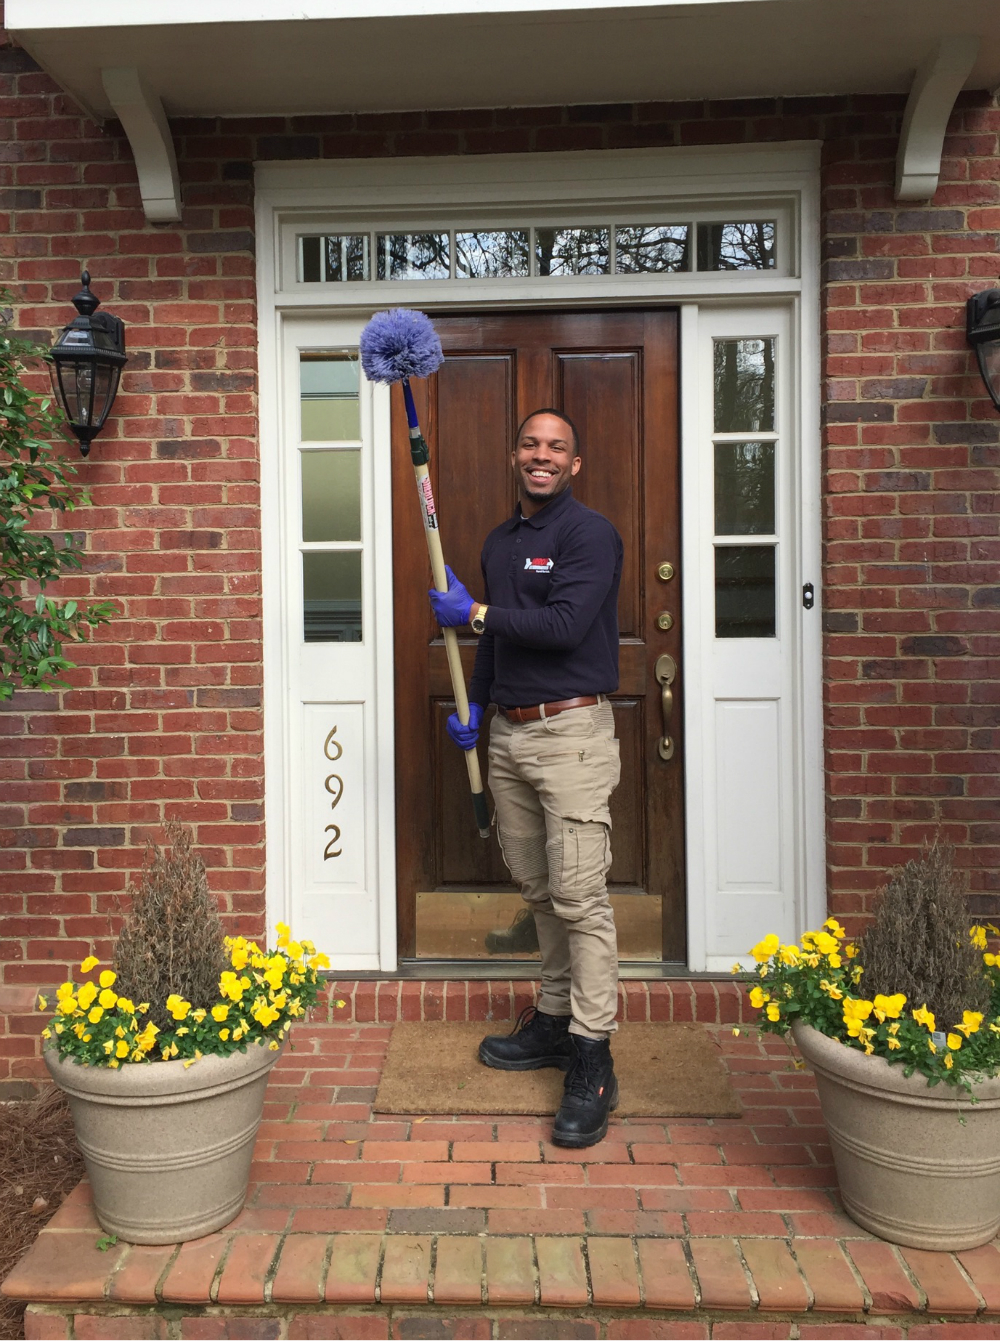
[{"x": 612, "y": 248}]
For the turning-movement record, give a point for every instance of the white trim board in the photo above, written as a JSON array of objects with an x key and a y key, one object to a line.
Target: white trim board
[{"x": 540, "y": 189}]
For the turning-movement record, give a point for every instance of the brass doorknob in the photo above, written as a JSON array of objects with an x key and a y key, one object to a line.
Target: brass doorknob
[
  {"x": 665, "y": 571},
  {"x": 664, "y": 620}
]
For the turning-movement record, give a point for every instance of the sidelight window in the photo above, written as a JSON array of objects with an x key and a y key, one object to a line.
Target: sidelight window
[
  {"x": 330, "y": 483},
  {"x": 745, "y": 446}
]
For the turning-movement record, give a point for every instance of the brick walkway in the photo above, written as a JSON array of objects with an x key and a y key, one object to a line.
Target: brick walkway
[{"x": 360, "y": 1225}]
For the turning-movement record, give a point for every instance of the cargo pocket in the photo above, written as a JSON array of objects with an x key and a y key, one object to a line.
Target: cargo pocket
[{"x": 579, "y": 859}]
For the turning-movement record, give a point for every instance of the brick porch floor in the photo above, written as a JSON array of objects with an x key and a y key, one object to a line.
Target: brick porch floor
[{"x": 359, "y": 1225}]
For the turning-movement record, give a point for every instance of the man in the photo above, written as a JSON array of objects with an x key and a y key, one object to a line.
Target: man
[{"x": 548, "y": 658}]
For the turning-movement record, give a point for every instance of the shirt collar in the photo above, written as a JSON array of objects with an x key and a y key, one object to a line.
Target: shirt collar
[{"x": 550, "y": 512}]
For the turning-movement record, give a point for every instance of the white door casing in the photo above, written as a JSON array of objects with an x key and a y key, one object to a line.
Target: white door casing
[{"x": 754, "y": 790}]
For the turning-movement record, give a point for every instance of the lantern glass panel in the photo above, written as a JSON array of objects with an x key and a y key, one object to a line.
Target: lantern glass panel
[{"x": 988, "y": 354}]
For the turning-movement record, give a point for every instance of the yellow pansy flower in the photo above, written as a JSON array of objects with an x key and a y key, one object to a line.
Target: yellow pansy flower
[
  {"x": 990, "y": 960},
  {"x": 220, "y": 1013},
  {"x": 766, "y": 948},
  {"x": 835, "y": 960},
  {"x": 199, "y": 1014},
  {"x": 224, "y": 1034},
  {"x": 64, "y": 990},
  {"x": 774, "y": 1012},
  {"x": 855, "y": 1014},
  {"x": 948, "y": 1060},
  {"x": 89, "y": 964},
  {"x": 43, "y": 1003},
  {"x": 834, "y": 993},
  {"x": 126, "y": 1005},
  {"x": 107, "y": 998},
  {"x": 825, "y": 943},
  {"x": 107, "y": 978},
  {"x": 978, "y": 937},
  {"x": 893, "y": 1044},
  {"x": 121, "y": 1048},
  {"x": 758, "y": 997},
  {"x": 850, "y": 950},
  {"x": 971, "y": 1020},
  {"x": 96, "y": 1015},
  {"x": 954, "y": 1041},
  {"x": 789, "y": 954},
  {"x": 925, "y": 1017},
  {"x": 177, "y": 1006},
  {"x": 67, "y": 1005},
  {"x": 322, "y": 961},
  {"x": 87, "y": 995},
  {"x": 889, "y": 1007},
  {"x": 833, "y": 925}
]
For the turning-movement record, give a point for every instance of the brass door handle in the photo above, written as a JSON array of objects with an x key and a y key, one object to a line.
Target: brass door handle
[{"x": 665, "y": 671}]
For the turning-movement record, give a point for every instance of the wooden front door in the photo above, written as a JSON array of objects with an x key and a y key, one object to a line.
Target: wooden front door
[{"x": 615, "y": 373}]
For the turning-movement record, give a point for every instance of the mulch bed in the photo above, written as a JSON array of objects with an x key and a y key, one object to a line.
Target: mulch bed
[{"x": 40, "y": 1164}]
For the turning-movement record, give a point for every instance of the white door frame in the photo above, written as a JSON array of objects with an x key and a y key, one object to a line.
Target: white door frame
[{"x": 776, "y": 181}]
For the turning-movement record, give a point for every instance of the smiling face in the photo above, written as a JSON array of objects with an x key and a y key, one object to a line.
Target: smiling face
[{"x": 544, "y": 460}]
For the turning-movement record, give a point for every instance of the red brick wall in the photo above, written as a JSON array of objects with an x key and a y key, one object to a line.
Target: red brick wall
[{"x": 164, "y": 718}]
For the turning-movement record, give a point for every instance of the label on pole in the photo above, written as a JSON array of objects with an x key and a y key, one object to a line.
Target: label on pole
[{"x": 427, "y": 501}]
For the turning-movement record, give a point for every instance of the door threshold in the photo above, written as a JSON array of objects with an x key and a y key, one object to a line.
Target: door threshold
[{"x": 451, "y": 970}]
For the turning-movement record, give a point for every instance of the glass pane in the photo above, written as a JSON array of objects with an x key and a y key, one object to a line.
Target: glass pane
[
  {"x": 492, "y": 255},
  {"x": 347, "y": 257},
  {"x": 744, "y": 591},
  {"x": 331, "y": 495},
  {"x": 651, "y": 248},
  {"x": 744, "y": 488},
  {"x": 331, "y": 588},
  {"x": 573, "y": 251},
  {"x": 413, "y": 256},
  {"x": 331, "y": 410},
  {"x": 736, "y": 246},
  {"x": 744, "y": 386},
  {"x": 312, "y": 253}
]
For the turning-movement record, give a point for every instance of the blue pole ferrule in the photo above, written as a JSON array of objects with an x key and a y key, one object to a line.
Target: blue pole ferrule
[{"x": 411, "y": 409}]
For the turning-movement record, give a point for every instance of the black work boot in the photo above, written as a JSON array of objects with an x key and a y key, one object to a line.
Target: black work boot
[
  {"x": 520, "y": 937},
  {"x": 536, "y": 1040},
  {"x": 589, "y": 1095}
]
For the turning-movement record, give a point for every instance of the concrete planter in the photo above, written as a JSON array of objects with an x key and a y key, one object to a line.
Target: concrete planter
[
  {"x": 910, "y": 1169},
  {"x": 167, "y": 1147}
]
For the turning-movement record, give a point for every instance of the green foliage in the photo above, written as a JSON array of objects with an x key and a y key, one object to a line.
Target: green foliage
[
  {"x": 34, "y": 476},
  {"x": 822, "y": 983}
]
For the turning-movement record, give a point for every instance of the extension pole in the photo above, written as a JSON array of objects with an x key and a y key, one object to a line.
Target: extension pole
[{"x": 420, "y": 455}]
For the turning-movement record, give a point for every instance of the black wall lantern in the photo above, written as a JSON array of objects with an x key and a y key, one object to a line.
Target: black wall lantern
[
  {"x": 982, "y": 327},
  {"x": 87, "y": 361}
]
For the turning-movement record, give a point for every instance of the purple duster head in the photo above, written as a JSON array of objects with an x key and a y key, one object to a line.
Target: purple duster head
[{"x": 400, "y": 344}]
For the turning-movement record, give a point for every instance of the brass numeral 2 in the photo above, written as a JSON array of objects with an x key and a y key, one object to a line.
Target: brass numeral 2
[{"x": 334, "y": 784}]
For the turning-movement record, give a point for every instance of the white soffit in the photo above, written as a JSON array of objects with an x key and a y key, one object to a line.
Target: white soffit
[{"x": 323, "y": 56}]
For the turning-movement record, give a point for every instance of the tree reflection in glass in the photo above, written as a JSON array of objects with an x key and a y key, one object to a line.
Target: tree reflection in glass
[
  {"x": 744, "y": 386},
  {"x": 573, "y": 251},
  {"x": 413, "y": 256},
  {"x": 649, "y": 248},
  {"x": 492, "y": 254},
  {"x": 736, "y": 246},
  {"x": 744, "y": 488}
]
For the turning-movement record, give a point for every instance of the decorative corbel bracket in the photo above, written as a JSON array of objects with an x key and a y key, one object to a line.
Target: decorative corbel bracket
[
  {"x": 144, "y": 121},
  {"x": 936, "y": 85}
]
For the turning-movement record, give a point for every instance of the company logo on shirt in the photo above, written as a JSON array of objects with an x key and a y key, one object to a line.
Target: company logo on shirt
[{"x": 538, "y": 565}]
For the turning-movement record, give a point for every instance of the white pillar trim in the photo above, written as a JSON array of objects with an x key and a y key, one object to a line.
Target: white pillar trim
[
  {"x": 144, "y": 121},
  {"x": 936, "y": 85}
]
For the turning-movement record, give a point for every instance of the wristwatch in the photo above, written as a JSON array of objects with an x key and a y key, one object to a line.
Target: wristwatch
[{"x": 479, "y": 622}]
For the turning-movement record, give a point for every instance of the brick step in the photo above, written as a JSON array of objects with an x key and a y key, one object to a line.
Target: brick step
[
  {"x": 384, "y": 1001},
  {"x": 355, "y": 1323}
]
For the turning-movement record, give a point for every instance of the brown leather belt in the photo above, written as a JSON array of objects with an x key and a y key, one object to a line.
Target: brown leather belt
[{"x": 543, "y": 710}]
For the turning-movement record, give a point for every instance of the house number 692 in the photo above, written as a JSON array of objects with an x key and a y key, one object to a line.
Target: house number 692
[{"x": 334, "y": 784}]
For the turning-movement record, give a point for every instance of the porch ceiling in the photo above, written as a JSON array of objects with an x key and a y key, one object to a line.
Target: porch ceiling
[{"x": 320, "y": 56}]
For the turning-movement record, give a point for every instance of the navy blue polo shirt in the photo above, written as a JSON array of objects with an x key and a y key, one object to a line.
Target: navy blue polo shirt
[{"x": 552, "y": 588}]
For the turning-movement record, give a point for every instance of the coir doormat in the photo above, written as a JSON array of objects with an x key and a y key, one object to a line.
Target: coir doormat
[{"x": 664, "y": 1070}]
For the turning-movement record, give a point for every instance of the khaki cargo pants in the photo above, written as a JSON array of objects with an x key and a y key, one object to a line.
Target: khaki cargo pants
[{"x": 551, "y": 781}]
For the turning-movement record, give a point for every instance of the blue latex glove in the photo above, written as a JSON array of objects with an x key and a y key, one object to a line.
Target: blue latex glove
[
  {"x": 465, "y": 737},
  {"x": 451, "y": 608}
]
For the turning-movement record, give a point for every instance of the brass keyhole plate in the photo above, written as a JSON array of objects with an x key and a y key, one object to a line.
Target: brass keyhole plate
[
  {"x": 664, "y": 620},
  {"x": 665, "y": 572}
]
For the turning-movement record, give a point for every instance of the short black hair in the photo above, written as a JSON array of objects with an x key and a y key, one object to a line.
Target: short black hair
[{"x": 559, "y": 414}]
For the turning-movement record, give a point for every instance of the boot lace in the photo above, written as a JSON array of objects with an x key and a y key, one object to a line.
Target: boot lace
[
  {"x": 526, "y": 1021},
  {"x": 583, "y": 1079}
]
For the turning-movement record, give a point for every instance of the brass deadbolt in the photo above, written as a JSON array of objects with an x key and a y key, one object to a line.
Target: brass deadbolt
[
  {"x": 665, "y": 572},
  {"x": 664, "y": 620}
]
